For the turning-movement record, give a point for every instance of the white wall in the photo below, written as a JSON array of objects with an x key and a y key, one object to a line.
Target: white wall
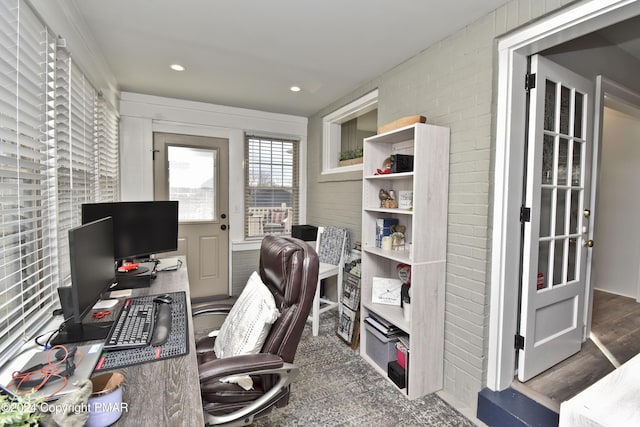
[
  {"x": 617, "y": 236},
  {"x": 141, "y": 115}
]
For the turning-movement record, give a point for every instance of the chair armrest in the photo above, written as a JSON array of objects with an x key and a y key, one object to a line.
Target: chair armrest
[
  {"x": 246, "y": 364},
  {"x": 285, "y": 372},
  {"x": 222, "y": 306}
]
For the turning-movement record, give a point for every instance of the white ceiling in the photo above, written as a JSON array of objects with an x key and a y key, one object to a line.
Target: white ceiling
[
  {"x": 625, "y": 35},
  {"x": 247, "y": 53}
]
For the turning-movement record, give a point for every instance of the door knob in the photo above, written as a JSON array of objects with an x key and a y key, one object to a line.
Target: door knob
[
  {"x": 223, "y": 227},
  {"x": 589, "y": 243},
  {"x": 587, "y": 213}
]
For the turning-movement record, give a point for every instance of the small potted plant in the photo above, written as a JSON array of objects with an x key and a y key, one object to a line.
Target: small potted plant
[
  {"x": 20, "y": 410},
  {"x": 350, "y": 157}
]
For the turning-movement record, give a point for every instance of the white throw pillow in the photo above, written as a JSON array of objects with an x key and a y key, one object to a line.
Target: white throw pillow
[{"x": 247, "y": 325}]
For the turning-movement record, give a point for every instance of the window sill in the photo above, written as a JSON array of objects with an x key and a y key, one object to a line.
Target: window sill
[
  {"x": 344, "y": 173},
  {"x": 246, "y": 245}
]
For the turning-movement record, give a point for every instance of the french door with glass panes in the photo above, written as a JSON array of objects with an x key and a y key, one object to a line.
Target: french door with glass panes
[{"x": 556, "y": 235}]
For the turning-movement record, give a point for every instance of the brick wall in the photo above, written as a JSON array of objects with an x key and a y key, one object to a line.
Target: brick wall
[{"x": 452, "y": 83}]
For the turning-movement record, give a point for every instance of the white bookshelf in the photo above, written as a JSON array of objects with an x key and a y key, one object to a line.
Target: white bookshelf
[{"x": 426, "y": 231}]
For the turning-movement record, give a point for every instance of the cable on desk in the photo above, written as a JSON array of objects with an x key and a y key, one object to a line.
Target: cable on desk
[
  {"x": 172, "y": 267},
  {"x": 35, "y": 377}
]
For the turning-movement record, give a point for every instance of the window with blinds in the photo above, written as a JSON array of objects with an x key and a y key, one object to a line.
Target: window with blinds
[
  {"x": 271, "y": 186},
  {"x": 58, "y": 149},
  {"x": 28, "y": 254},
  {"x": 106, "y": 154},
  {"x": 75, "y": 104}
]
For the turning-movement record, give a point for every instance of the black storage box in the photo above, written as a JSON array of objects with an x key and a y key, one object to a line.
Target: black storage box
[
  {"x": 396, "y": 374},
  {"x": 308, "y": 233},
  {"x": 401, "y": 163}
]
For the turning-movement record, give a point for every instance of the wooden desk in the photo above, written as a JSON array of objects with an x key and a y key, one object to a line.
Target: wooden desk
[{"x": 166, "y": 392}]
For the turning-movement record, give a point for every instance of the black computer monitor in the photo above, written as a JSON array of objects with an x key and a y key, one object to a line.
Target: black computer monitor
[
  {"x": 92, "y": 273},
  {"x": 140, "y": 228}
]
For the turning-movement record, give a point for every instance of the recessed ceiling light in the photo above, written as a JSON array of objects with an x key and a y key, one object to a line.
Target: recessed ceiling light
[
  {"x": 177, "y": 67},
  {"x": 294, "y": 88}
]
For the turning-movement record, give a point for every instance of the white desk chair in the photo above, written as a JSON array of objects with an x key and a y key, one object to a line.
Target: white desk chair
[{"x": 330, "y": 246}]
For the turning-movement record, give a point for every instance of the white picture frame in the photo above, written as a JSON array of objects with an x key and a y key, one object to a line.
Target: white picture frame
[{"x": 386, "y": 291}]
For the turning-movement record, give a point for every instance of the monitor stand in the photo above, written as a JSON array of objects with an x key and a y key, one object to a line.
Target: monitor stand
[
  {"x": 138, "y": 278},
  {"x": 79, "y": 332}
]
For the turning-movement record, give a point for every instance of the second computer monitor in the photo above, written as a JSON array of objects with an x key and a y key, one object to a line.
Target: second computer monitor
[
  {"x": 140, "y": 228},
  {"x": 91, "y": 261}
]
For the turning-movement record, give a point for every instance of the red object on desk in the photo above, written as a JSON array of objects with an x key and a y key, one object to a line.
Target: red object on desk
[
  {"x": 100, "y": 314},
  {"x": 128, "y": 266}
]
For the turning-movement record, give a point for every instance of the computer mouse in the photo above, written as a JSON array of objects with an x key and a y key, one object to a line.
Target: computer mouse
[{"x": 165, "y": 299}]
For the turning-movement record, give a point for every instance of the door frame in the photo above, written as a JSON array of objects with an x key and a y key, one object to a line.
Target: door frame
[
  {"x": 175, "y": 128},
  {"x": 513, "y": 50}
]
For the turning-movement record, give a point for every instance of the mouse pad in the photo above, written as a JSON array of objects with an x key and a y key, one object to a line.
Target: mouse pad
[{"x": 176, "y": 345}]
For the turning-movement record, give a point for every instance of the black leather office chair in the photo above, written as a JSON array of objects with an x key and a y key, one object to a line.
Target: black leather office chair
[{"x": 289, "y": 268}]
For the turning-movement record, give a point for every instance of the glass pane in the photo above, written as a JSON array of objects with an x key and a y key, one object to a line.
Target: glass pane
[
  {"x": 550, "y": 106},
  {"x": 571, "y": 266},
  {"x": 547, "y": 160},
  {"x": 558, "y": 257},
  {"x": 561, "y": 207},
  {"x": 545, "y": 212},
  {"x": 576, "y": 172},
  {"x": 192, "y": 182},
  {"x": 543, "y": 265},
  {"x": 565, "y": 105},
  {"x": 271, "y": 191},
  {"x": 575, "y": 207},
  {"x": 577, "y": 124},
  {"x": 563, "y": 161}
]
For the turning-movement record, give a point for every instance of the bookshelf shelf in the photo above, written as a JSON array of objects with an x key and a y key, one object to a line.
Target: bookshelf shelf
[{"x": 425, "y": 248}]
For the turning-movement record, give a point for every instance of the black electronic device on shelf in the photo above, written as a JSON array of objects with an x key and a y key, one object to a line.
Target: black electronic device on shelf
[{"x": 91, "y": 261}]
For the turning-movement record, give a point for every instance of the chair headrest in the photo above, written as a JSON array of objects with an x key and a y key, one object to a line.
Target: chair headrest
[{"x": 282, "y": 264}]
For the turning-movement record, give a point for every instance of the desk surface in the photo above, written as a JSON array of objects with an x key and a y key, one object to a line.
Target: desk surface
[
  {"x": 166, "y": 392},
  {"x": 611, "y": 401}
]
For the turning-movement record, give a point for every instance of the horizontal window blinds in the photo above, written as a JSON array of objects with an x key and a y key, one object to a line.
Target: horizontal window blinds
[
  {"x": 58, "y": 149},
  {"x": 271, "y": 186},
  {"x": 76, "y": 102},
  {"x": 106, "y": 156},
  {"x": 28, "y": 253}
]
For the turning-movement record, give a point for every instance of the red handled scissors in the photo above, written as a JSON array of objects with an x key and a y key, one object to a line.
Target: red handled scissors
[{"x": 101, "y": 314}]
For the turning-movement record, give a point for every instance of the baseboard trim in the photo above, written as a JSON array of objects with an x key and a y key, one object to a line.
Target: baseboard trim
[{"x": 510, "y": 408}]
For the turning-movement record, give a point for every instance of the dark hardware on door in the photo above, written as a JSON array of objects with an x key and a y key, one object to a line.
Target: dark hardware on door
[
  {"x": 223, "y": 216},
  {"x": 223, "y": 227}
]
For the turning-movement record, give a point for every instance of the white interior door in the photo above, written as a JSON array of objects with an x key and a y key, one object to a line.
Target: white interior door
[
  {"x": 194, "y": 171},
  {"x": 556, "y": 238}
]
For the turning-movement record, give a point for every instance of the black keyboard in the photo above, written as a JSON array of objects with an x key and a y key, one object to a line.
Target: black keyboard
[{"x": 134, "y": 326}]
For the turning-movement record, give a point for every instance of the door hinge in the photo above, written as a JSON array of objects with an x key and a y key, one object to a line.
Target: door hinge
[
  {"x": 525, "y": 214},
  {"x": 519, "y": 342},
  {"x": 529, "y": 82},
  {"x": 153, "y": 154}
]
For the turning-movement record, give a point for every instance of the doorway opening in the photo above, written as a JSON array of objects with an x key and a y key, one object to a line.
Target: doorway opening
[{"x": 579, "y": 20}]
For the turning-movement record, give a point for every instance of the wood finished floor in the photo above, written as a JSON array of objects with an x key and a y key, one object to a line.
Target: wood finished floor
[{"x": 616, "y": 324}]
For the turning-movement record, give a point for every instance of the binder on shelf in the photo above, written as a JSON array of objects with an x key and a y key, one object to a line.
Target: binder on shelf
[{"x": 383, "y": 326}]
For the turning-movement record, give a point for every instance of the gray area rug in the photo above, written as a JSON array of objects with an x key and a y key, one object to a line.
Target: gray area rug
[{"x": 336, "y": 387}]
